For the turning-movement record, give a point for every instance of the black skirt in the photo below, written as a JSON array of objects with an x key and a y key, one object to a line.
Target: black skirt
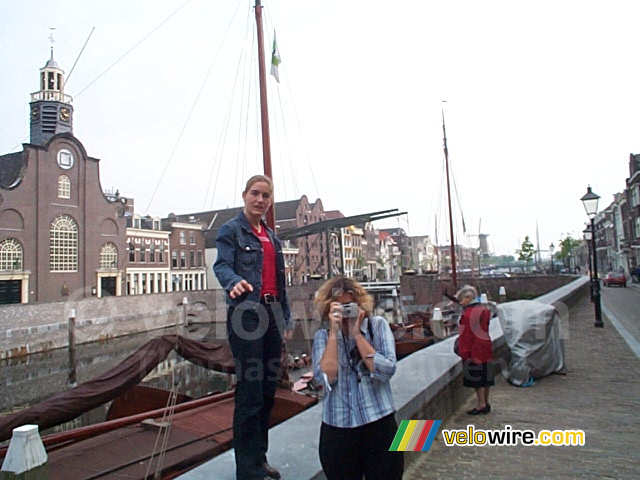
[{"x": 477, "y": 374}]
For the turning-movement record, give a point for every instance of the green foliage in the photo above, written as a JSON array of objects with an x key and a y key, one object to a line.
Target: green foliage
[
  {"x": 526, "y": 252},
  {"x": 567, "y": 244}
]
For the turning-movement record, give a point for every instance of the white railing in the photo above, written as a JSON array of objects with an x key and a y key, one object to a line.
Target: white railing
[{"x": 55, "y": 96}]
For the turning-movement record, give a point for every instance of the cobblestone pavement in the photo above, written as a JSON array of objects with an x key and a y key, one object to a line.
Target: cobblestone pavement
[{"x": 600, "y": 394}]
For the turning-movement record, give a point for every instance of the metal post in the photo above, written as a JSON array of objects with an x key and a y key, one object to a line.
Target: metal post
[
  {"x": 72, "y": 347},
  {"x": 185, "y": 302},
  {"x": 394, "y": 300},
  {"x": 590, "y": 268},
  {"x": 595, "y": 281}
]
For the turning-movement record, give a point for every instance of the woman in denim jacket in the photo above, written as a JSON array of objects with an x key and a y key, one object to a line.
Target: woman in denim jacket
[{"x": 250, "y": 267}]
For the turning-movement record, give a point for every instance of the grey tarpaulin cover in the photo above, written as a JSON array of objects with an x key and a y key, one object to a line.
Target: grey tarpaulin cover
[{"x": 533, "y": 333}]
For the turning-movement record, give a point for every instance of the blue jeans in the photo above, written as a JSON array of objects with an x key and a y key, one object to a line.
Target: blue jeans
[{"x": 256, "y": 345}]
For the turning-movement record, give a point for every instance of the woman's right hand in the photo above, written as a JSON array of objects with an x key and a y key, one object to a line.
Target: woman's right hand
[
  {"x": 239, "y": 288},
  {"x": 335, "y": 316}
]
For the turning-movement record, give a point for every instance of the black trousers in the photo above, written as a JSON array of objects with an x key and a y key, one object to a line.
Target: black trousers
[
  {"x": 256, "y": 345},
  {"x": 351, "y": 453}
]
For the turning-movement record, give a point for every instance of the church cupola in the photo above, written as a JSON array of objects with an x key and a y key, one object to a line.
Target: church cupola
[{"x": 51, "y": 110}]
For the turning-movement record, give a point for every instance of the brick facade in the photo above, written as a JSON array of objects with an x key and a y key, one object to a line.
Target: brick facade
[{"x": 31, "y": 205}]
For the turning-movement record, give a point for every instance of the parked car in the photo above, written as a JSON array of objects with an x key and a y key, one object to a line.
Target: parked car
[{"x": 615, "y": 278}]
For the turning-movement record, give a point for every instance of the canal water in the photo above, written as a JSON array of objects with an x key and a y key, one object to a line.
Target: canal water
[{"x": 27, "y": 380}]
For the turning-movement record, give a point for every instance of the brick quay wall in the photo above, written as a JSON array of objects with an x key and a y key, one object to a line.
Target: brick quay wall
[
  {"x": 33, "y": 328},
  {"x": 424, "y": 292},
  {"x": 26, "y": 329}
]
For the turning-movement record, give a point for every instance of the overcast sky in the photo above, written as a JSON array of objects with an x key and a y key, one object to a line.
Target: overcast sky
[{"x": 542, "y": 100}]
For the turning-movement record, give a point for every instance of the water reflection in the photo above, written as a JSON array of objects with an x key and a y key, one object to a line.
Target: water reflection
[{"x": 31, "y": 379}]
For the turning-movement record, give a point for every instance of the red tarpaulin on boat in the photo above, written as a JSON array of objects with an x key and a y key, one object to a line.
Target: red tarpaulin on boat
[{"x": 88, "y": 395}]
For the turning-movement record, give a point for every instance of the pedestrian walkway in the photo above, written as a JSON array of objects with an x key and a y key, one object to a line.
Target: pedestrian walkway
[{"x": 599, "y": 394}]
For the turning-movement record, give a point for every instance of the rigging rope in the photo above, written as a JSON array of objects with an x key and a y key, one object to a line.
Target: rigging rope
[
  {"x": 164, "y": 426},
  {"x": 132, "y": 48},
  {"x": 222, "y": 140},
  {"x": 114, "y": 63},
  {"x": 193, "y": 106},
  {"x": 78, "y": 58}
]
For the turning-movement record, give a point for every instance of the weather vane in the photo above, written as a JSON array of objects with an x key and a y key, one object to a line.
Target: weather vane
[{"x": 51, "y": 39}]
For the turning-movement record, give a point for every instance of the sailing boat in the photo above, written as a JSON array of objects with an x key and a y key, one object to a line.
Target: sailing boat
[
  {"x": 454, "y": 274},
  {"x": 200, "y": 429},
  {"x": 264, "y": 112}
]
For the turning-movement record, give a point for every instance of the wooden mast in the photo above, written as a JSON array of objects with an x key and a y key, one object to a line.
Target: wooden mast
[
  {"x": 264, "y": 112},
  {"x": 454, "y": 275}
]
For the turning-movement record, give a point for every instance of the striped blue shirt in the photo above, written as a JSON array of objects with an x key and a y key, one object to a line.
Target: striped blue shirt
[{"x": 350, "y": 403}]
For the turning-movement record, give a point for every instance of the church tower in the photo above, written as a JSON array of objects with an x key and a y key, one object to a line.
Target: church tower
[{"x": 51, "y": 110}]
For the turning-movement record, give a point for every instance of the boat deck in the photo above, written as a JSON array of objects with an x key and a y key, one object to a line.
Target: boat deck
[{"x": 195, "y": 435}]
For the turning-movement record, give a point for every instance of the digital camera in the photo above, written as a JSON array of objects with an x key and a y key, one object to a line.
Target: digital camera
[{"x": 350, "y": 310}]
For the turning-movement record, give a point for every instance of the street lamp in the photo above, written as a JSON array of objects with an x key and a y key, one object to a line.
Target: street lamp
[
  {"x": 590, "y": 202},
  {"x": 551, "y": 248},
  {"x": 588, "y": 235}
]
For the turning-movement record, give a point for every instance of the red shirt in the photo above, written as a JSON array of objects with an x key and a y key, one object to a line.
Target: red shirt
[
  {"x": 475, "y": 343},
  {"x": 269, "y": 284}
]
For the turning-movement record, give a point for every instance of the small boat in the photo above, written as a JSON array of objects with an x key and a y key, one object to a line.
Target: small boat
[
  {"x": 147, "y": 442},
  {"x": 414, "y": 336}
]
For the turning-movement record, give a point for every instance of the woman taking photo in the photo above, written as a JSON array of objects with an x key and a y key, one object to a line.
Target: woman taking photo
[
  {"x": 250, "y": 267},
  {"x": 475, "y": 348},
  {"x": 354, "y": 358}
]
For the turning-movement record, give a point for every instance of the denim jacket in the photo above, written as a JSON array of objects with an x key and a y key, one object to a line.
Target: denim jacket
[{"x": 240, "y": 257}]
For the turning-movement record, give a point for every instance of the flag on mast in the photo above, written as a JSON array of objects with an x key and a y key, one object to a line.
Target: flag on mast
[{"x": 275, "y": 59}]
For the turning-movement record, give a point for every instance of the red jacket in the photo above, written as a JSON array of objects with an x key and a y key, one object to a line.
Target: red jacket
[{"x": 475, "y": 343}]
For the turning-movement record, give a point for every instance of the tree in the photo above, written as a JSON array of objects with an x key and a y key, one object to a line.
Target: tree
[
  {"x": 567, "y": 245},
  {"x": 526, "y": 252}
]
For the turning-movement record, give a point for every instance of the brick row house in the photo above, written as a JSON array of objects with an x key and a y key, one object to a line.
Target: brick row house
[
  {"x": 617, "y": 226},
  {"x": 164, "y": 255},
  {"x": 303, "y": 256}
]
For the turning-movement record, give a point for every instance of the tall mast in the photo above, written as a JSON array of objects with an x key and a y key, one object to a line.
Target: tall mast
[
  {"x": 264, "y": 112},
  {"x": 454, "y": 275}
]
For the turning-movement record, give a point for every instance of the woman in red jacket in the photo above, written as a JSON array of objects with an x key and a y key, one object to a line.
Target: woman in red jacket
[{"x": 475, "y": 348}]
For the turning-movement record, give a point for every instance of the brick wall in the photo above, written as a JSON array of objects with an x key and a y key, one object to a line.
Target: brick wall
[
  {"x": 26, "y": 329},
  {"x": 423, "y": 292}
]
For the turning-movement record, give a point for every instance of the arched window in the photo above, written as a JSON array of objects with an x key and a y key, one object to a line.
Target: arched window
[
  {"x": 63, "y": 244},
  {"x": 108, "y": 256},
  {"x": 10, "y": 255},
  {"x": 64, "y": 187}
]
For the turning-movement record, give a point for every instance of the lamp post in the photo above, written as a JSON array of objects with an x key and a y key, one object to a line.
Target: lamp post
[
  {"x": 588, "y": 235},
  {"x": 551, "y": 248},
  {"x": 590, "y": 202}
]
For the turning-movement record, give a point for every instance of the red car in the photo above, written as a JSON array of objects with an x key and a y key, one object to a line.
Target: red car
[{"x": 615, "y": 278}]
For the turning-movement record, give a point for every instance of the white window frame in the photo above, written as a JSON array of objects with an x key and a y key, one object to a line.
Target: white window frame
[
  {"x": 108, "y": 256},
  {"x": 10, "y": 255},
  {"x": 63, "y": 244},
  {"x": 64, "y": 187}
]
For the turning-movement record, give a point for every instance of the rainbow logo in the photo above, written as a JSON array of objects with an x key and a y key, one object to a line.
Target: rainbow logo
[{"x": 415, "y": 435}]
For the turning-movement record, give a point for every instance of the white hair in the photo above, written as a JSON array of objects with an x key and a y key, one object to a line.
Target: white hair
[{"x": 467, "y": 292}]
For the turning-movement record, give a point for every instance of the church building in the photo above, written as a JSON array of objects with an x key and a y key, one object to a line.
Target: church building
[{"x": 61, "y": 237}]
